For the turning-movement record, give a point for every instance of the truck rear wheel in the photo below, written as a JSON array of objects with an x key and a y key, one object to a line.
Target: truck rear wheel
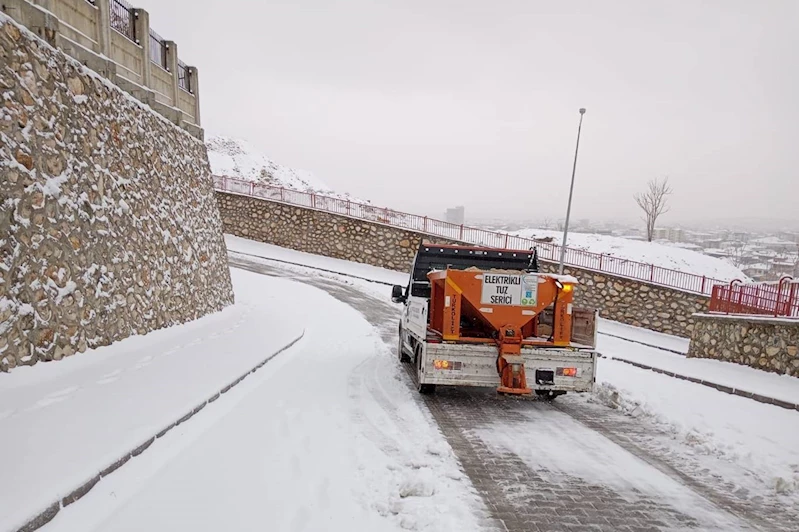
[
  {"x": 400, "y": 354},
  {"x": 424, "y": 389}
]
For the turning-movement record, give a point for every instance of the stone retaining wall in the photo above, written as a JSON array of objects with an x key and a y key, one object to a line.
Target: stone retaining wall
[
  {"x": 108, "y": 223},
  {"x": 770, "y": 344},
  {"x": 320, "y": 232},
  {"x": 304, "y": 229}
]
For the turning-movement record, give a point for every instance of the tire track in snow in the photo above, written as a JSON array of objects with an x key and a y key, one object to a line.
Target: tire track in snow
[{"x": 498, "y": 483}]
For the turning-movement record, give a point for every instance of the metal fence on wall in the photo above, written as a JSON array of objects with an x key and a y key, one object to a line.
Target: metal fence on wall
[
  {"x": 548, "y": 251},
  {"x": 122, "y": 19},
  {"x": 779, "y": 299},
  {"x": 184, "y": 77},
  {"x": 158, "y": 50}
]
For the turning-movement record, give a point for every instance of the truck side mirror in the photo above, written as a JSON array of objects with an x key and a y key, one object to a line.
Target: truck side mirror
[{"x": 396, "y": 294}]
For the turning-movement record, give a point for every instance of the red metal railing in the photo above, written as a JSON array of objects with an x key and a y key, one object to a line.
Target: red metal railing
[
  {"x": 761, "y": 299},
  {"x": 546, "y": 250}
]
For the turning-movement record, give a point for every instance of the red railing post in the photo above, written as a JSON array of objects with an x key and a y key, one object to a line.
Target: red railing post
[
  {"x": 651, "y": 272},
  {"x": 740, "y": 294},
  {"x": 783, "y": 279},
  {"x": 461, "y": 234},
  {"x": 506, "y": 240},
  {"x": 704, "y": 279}
]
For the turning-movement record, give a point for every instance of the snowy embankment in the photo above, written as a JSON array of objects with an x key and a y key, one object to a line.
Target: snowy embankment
[
  {"x": 740, "y": 377},
  {"x": 664, "y": 256},
  {"x": 758, "y": 437},
  {"x": 65, "y": 421},
  {"x": 703, "y": 422},
  {"x": 326, "y": 436}
]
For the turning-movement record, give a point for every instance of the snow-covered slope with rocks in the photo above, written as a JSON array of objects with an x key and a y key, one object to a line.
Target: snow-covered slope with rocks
[{"x": 240, "y": 159}]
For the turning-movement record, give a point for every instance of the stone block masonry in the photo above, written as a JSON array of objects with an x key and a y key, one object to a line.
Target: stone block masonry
[
  {"x": 320, "y": 232},
  {"x": 628, "y": 301},
  {"x": 770, "y": 344},
  {"x": 636, "y": 303},
  {"x": 108, "y": 223}
]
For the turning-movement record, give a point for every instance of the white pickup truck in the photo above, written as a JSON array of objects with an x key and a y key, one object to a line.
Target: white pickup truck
[{"x": 473, "y": 359}]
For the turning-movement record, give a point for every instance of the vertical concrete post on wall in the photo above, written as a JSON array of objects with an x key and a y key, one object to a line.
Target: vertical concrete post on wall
[
  {"x": 142, "y": 21},
  {"x": 104, "y": 27},
  {"x": 195, "y": 89},
  {"x": 172, "y": 65}
]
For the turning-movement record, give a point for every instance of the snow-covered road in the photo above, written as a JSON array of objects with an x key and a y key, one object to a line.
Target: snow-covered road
[
  {"x": 576, "y": 463},
  {"x": 329, "y": 436},
  {"x": 324, "y": 437}
]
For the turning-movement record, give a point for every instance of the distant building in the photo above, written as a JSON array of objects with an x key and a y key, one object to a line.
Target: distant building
[
  {"x": 758, "y": 271},
  {"x": 671, "y": 234},
  {"x": 454, "y": 215},
  {"x": 782, "y": 267},
  {"x": 660, "y": 234},
  {"x": 775, "y": 244}
]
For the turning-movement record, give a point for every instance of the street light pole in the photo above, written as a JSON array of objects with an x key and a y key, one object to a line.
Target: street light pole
[{"x": 571, "y": 192}]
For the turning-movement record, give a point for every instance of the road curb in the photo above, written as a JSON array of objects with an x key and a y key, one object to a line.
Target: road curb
[
  {"x": 675, "y": 351},
  {"x": 79, "y": 492},
  {"x": 229, "y": 251},
  {"x": 719, "y": 387}
]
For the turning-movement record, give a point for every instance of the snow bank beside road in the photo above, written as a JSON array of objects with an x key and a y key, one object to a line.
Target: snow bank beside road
[
  {"x": 760, "y": 438},
  {"x": 324, "y": 437},
  {"x": 782, "y": 387},
  {"x": 344, "y": 267},
  {"x": 65, "y": 421}
]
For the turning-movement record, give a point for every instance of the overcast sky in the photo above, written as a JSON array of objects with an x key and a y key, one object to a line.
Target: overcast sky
[{"x": 424, "y": 104}]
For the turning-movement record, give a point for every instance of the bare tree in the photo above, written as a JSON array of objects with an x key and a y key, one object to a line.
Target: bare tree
[
  {"x": 654, "y": 202},
  {"x": 739, "y": 250}
]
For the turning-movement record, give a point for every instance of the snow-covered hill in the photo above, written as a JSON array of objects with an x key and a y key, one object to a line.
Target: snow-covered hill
[
  {"x": 240, "y": 159},
  {"x": 675, "y": 258}
]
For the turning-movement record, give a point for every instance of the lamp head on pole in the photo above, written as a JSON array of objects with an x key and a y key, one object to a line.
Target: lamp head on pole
[{"x": 582, "y": 110}]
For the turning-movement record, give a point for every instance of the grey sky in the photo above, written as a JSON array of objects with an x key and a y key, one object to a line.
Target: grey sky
[{"x": 424, "y": 104}]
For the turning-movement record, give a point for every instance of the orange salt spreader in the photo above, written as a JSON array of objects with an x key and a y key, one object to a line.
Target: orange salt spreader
[{"x": 502, "y": 307}]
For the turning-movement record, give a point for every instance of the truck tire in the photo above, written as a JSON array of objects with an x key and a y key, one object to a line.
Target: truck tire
[
  {"x": 400, "y": 353},
  {"x": 424, "y": 389}
]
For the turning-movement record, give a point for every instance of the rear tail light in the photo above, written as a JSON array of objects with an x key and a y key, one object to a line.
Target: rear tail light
[
  {"x": 447, "y": 364},
  {"x": 566, "y": 372}
]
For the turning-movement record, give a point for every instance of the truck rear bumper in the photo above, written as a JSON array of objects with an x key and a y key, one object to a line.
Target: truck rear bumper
[{"x": 475, "y": 365}]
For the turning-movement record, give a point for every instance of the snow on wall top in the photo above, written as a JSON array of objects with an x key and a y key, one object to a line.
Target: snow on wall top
[
  {"x": 240, "y": 159},
  {"x": 665, "y": 256}
]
